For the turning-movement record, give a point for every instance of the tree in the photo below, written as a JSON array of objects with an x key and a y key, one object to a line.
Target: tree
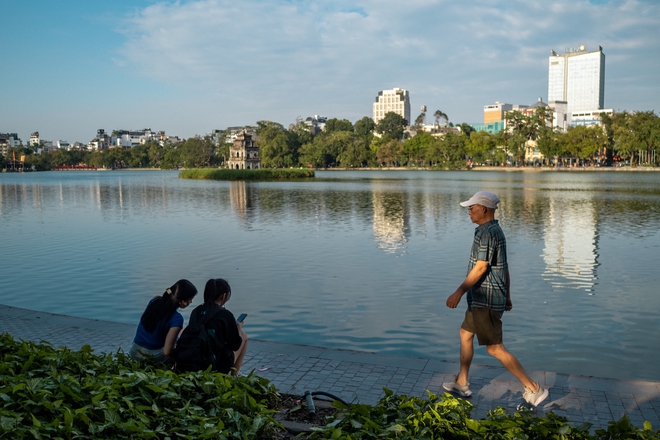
[
  {"x": 197, "y": 152},
  {"x": 364, "y": 128},
  {"x": 279, "y": 146},
  {"x": 440, "y": 115},
  {"x": 139, "y": 156},
  {"x": 449, "y": 151},
  {"x": 419, "y": 121},
  {"x": 356, "y": 152},
  {"x": 522, "y": 128},
  {"x": 335, "y": 124},
  {"x": 636, "y": 133},
  {"x": 551, "y": 144},
  {"x": 300, "y": 133},
  {"x": 481, "y": 146},
  {"x": 388, "y": 152},
  {"x": 391, "y": 126},
  {"x": 466, "y": 129},
  {"x": 416, "y": 148},
  {"x": 154, "y": 153},
  {"x": 171, "y": 158},
  {"x": 583, "y": 142}
]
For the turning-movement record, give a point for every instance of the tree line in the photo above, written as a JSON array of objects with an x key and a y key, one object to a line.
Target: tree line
[{"x": 631, "y": 137}]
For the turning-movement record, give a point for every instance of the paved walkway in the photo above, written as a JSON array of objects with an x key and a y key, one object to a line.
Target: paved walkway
[{"x": 360, "y": 377}]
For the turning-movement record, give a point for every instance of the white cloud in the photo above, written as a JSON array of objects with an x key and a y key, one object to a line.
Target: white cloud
[{"x": 282, "y": 59}]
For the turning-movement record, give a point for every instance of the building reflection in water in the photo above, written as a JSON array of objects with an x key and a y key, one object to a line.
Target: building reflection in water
[
  {"x": 242, "y": 199},
  {"x": 390, "y": 221},
  {"x": 571, "y": 245}
]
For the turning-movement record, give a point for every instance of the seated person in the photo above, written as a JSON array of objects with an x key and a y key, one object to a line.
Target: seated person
[
  {"x": 160, "y": 323},
  {"x": 230, "y": 341}
]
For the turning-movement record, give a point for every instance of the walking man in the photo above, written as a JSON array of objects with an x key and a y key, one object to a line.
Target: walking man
[{"x": 488, "y": 295}]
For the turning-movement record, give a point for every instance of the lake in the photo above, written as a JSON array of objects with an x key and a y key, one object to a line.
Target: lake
[{"x": 361, "y": 260}]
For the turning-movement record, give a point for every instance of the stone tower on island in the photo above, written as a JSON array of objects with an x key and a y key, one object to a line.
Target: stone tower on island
[{"x": 244, "y": 153}]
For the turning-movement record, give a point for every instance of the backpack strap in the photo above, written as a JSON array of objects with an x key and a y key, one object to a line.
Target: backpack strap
[{"x": 204, "y": 315}]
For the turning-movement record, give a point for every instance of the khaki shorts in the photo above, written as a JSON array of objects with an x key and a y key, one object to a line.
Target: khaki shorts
[{"x": 486, "y": 324}]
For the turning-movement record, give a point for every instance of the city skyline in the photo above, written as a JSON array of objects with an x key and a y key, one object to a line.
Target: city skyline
[{"x": 189, "y": 67}]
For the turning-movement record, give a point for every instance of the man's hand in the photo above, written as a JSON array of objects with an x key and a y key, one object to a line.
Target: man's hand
[
  {"x": 454, "y": 299},
  {"x": 508, "y": 306}
]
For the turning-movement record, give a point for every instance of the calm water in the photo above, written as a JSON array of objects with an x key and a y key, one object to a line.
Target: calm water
[{"x": 356, "y": 260}]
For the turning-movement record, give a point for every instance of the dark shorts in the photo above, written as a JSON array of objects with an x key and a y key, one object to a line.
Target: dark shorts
[{"x": 486, "y": 324}]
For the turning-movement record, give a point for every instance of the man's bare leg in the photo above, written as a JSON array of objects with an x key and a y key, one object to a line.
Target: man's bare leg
[
  {"x": 467, "y": 353},
  {"x": 512, "y": 364}
]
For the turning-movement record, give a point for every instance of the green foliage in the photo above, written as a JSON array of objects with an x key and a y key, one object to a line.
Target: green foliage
[
  {"x": 440, "y": 115},
  {"x": 481, "y": 146},
  {"x": 58, "y": 393},
  {"x": 449, "y": 151},
  {"x": 48, "y": 393},
  {"x": 197, "y": 152},
  {"x": 583, "y": 142},
  {"x": 364, "y": 128},
  {"x": 635, "y": 134},
  {"x": 391, "y": 126},
  {"x": 256, "y": 174},
  {"x": 417, "y": 148},
  {"x": 447, "y": 417},
  {"x": 341, "y": 148},
  {"x": 335, "y": 124},
  {"x": 278, "y": 146},
  {"x": 388, "y": 151}
]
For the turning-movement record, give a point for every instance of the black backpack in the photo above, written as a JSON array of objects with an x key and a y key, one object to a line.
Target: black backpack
[{"x": 196, "y": 347}]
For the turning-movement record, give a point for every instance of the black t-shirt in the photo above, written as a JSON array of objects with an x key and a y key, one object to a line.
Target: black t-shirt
[{"x": 227, "y": 338}]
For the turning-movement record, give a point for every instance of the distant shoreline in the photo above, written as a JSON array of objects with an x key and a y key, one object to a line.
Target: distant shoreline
[{"x": 508, "y": 169}]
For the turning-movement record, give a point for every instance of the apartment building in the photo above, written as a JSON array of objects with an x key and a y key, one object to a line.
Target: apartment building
[{"x": 394, "y": 100}]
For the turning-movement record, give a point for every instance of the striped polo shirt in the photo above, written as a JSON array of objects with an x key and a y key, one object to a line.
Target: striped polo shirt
[{"x": 489, "y": 245}]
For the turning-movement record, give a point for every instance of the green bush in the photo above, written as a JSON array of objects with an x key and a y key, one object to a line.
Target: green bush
[
  {"x": 255, "y": 174},
  {"x": 57, "y": 393},
  {"x": 446, "y": 417},
  {"x": 49, "y": 393}
]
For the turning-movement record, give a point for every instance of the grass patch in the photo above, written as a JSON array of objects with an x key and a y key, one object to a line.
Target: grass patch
[{"x": 257, "y": 174}]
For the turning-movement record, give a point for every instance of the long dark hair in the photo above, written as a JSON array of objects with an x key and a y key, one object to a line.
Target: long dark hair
[
  {"x": 164, "y": 306},
  {"x": 214, "y": 289}
]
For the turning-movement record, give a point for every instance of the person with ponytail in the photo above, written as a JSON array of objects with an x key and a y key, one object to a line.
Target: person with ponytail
[
  {"x": 161, "y": 323},
  {"x": 230, "y": 341}
]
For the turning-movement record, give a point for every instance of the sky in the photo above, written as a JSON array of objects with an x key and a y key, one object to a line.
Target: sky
[{"x": 188, "y": 67}]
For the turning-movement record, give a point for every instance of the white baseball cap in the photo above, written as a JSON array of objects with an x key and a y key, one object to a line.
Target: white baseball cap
[{"x": 483, "y": 198}]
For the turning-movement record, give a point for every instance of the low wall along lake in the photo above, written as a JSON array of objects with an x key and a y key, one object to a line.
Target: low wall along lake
[{"x": 358, "y": 260}]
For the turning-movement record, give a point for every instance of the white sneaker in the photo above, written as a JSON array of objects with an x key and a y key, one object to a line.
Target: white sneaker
[
  {"x": 535, "y": 397},
  {"x": 461, "y": 390}
]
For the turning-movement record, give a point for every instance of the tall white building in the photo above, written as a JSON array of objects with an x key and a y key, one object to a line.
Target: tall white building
[
  {"x": 577, "y": 78},
  {"x": 395, "y": 100}
]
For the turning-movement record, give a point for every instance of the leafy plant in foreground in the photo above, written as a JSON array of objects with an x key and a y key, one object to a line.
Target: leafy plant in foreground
[
  {"x": 447, "y": 417},
  {"x": 60, "y": 393}
]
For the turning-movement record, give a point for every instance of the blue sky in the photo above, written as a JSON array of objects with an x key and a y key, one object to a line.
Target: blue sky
[{"x": 71, "y": 67}]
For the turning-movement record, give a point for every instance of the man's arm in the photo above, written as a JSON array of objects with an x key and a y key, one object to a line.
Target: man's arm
[
  {"x": 472, "y": 278},
  {"x": 509, "y": 305}
]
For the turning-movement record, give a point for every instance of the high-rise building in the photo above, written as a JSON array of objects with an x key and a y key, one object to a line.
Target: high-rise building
[
  {"x": 495, "y": 112},
  {"x": 577, "y": 78},
  {"x": 395, "y": 100}
]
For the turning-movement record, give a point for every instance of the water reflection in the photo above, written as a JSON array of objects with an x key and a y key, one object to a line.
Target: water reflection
[
  {"x": 390, "y": 220},
  {"x": 571, "y": 245},
  {"x": 243, "y": 197},
  {"x": 351, "y": 260}
]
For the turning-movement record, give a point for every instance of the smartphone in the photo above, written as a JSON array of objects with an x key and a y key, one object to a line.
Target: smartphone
[{"x": 241, "y": 317}]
